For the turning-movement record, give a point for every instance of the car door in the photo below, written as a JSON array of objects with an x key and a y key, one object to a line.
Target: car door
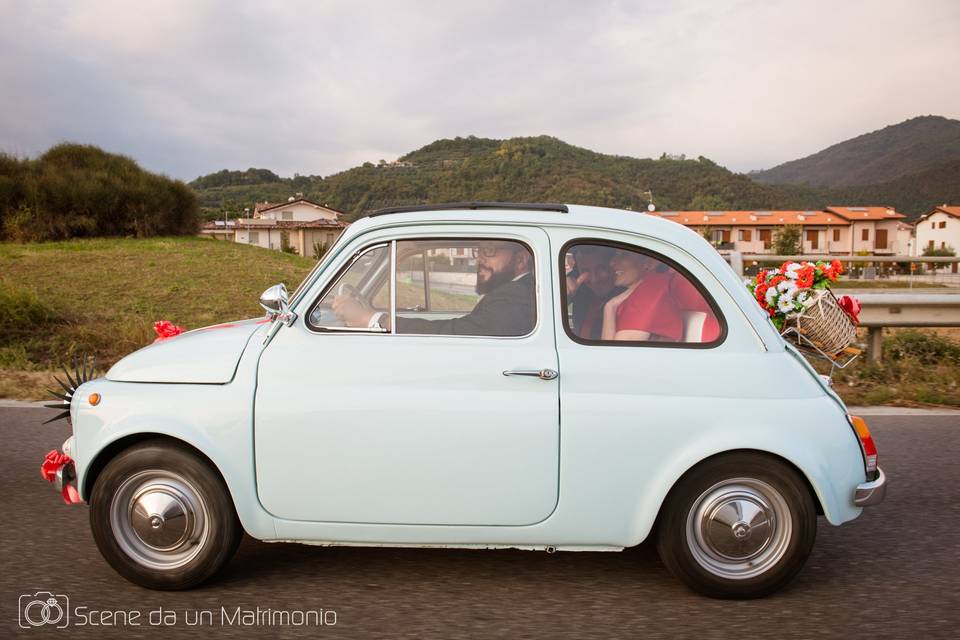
[{"x": 409, "y": 424}]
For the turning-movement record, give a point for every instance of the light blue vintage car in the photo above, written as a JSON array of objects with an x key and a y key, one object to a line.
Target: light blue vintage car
[{"x": 481, "y": 375}]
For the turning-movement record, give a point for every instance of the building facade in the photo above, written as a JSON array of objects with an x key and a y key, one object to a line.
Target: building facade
[
  {"x": 298, "y": 224},
  {"x": 939, "y": 229},
  {"x": 835, "y": 230}
]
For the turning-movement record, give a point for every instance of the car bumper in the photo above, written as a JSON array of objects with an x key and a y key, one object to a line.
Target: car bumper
[
  {"x": 871, "y": 493},
  {"x": 59, "y": 470}
]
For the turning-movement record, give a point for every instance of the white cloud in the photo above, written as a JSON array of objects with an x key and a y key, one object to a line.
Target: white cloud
[{"x": 192, "y": 87}]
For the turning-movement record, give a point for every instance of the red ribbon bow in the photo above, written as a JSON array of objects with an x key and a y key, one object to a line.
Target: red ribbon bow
[
  {"x": 48, "y": 471},
  {"x": 166, "y": 329},
  {"x": 851, "y": 306}
]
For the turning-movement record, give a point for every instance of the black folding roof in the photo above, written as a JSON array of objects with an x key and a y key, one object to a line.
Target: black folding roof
[{"x": 516, "y": 206}]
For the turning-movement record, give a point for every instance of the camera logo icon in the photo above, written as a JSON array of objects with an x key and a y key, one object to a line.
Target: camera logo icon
[{"x": 44, "y": 609}]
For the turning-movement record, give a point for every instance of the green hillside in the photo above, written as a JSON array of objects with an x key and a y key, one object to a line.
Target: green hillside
[
  {"x": 520, "y": 169},
  {"x": 544, "y": 169}
]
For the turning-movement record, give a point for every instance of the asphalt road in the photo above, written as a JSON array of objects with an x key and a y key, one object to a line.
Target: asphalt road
[{"x": 893, "y": 573}]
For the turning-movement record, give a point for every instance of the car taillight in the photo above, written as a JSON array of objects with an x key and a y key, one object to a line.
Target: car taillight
[{"x": 867, "y": 445}]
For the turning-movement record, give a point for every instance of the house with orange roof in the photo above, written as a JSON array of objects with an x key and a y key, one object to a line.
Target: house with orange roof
[
  {"x": 834, "y": 230},
  {"x": 299, "y": 224},
  {"x": 873, "y": 230},
  {"x": 939, "y": 228}
]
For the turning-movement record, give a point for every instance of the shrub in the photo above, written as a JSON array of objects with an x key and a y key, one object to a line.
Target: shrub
[
  {"x": 79, "y": 190},
  {"x": 18, "y": 305},
  {"x": 319, "y": 250},
  {"x": 926, "y": 348},
  {"x": 943, "y": 252}
]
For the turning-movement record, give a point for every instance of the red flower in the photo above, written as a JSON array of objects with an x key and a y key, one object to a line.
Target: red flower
[
  {"x": 805, "y": 277},
  {"x": 166, "y": 329},
  {"x": 777, "y": 280},
  {"x": 761, "y": 276},
  {"x": 760, "y": 293}
]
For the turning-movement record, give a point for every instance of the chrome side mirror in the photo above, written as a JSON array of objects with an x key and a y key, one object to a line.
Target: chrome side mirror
[{"x": 275, "y": 301}]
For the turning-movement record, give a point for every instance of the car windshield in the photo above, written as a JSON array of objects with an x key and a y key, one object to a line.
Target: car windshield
[{"x": 313, "y": 271}]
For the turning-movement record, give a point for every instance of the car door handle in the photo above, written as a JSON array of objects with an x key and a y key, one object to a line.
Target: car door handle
[{"x": 543, "y": 374}]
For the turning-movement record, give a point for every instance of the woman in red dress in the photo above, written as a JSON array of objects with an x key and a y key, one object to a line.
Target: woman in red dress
[{"x": 647, "y": 309}]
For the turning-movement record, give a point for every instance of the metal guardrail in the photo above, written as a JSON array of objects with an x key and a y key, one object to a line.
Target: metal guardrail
[
  {"x": 909, "y": 310},
  {"x": 879, "y": 310},
  {"x": 764, "y": 257}
]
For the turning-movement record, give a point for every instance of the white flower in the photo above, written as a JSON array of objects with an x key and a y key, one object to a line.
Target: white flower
[
  {"x": 785, "y": 304},
  {"x": 791, "y": 270},
  {"x": 805, "y": 298},
  {"x": 788, "y": 288},
  {"x": 771, "y": 296}
]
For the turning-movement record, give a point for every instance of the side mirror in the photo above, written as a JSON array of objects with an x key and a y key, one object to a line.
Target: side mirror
[{"x": 276, "y": 302}]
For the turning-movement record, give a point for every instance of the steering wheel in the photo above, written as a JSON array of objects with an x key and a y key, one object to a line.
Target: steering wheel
[
  {"x": 323, "y": 312},
  {"x": 347, "y": 290}
]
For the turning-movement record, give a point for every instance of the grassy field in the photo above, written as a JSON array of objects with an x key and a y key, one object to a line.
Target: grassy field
[{"x": 101, "y": 297}]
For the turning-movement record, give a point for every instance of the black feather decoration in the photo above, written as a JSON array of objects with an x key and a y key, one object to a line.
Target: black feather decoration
[{"x": 81, "y": 373}]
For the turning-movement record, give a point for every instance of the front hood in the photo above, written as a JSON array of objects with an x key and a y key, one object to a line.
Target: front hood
[{"x": 202, "y": 356}]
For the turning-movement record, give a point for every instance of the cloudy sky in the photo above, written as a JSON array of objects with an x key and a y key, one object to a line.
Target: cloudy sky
[{"x": 191, "y": 87}]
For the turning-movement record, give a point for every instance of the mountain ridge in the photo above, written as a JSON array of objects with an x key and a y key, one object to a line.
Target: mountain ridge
[
  {"x": 544, "y": 168},
  {"x": 912, "y": 146}
]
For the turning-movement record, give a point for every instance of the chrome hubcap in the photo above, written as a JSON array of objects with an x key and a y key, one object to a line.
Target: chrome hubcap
[
  {"x": 739, "y": 528},
  {"x": 159, "y": 519}
]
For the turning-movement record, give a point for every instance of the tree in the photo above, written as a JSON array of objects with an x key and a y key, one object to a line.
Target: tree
[
  {"x": 942, "y": 252},
  {"x": 786, "y": 240},
  {"x": 708, "y": 202}
]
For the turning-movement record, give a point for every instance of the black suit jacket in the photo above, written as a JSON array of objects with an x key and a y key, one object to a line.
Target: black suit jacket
[{"x": 508, "y": 310}]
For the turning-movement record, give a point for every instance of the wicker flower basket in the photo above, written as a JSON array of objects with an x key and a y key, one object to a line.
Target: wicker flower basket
[{"x": 825, "y": 324}]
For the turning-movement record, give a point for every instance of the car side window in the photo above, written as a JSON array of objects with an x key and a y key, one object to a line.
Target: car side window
[
  {"x": 617, "y": 293},
  {"x": 458, "y": 287},
  {"x": 465, "y": 287}
]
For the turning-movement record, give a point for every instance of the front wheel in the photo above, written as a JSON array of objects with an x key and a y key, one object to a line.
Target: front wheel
[
  {"x": 162, "y": 517},
  {"x": 738, "y": 526}
]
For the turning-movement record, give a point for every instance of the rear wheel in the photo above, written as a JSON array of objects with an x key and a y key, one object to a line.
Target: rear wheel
[
  {"x": 738, "y": 526},
  {"x": 162, "y": 517}
]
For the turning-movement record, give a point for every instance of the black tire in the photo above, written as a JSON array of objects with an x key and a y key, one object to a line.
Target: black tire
[
  {"x": 718, "y": 558},
  {"x": 194, "y": 504}
]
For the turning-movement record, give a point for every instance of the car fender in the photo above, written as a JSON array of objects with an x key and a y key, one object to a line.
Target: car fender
[
  {"x": 820, "y": 446},
  {"x": 224, "y": 434}
]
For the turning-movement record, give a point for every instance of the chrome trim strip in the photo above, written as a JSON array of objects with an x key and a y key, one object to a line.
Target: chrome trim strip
[
  {"x": 393, "y": 283},
  {"x": 871, "y": 493}
]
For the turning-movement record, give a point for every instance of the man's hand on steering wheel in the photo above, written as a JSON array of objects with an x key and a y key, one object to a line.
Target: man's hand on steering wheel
[{"x": 352, "y": 311}]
